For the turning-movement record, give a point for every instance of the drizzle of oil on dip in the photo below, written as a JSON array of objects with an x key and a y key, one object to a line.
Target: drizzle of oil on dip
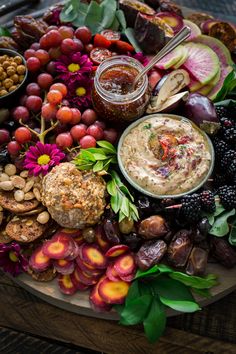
[{"x": 166, "y": 156}]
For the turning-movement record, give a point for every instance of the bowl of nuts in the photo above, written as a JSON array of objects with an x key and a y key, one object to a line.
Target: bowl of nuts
[{"x": 13, "y": 73}]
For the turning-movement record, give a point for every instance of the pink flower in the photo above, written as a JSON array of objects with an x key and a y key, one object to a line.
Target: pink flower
[
  {"x": 72, "y": 67},
  {"x": 79, "y": 93},
  {"x": 42, "y": 157},
  {"x": 11, "y": 259},
  {"x": 140, "y": 57}
]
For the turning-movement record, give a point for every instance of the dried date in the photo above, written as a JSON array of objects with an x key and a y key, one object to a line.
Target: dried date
[
  {"x": 150, "y": 253},
  {"x": 28, "y": 30},
  {"x": 197, "y": 261},
  {"x": 223, "y": 252},
  {"x": 8, "y": 43},
  {"x": 153, "y": 227},
  {"x": 112, "y": 232},
  {"x": 179, "y": 249}
]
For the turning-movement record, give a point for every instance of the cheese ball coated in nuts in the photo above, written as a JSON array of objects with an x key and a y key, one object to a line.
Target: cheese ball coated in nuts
[{"x": 75, "y": 199}]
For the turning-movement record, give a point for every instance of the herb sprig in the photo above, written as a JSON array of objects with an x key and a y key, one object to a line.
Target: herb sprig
[
  {"x": 155, "y": 290},
  {"x": 229, "y": 86}
]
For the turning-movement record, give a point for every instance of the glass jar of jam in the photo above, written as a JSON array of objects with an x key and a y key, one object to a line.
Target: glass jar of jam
[{"x": 114, "y": 97}]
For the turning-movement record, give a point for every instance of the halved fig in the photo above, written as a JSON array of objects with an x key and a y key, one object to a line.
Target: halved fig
[
  {"x": 59, "y": 247},
  {"x": 84, "y": 278},
  {"x": 64, "y": 266},
  {"x": 125, "y": 264},
  {"x": 113, "y": 292},
  {"x": 169, "y": 6},
  {"x": 111, "y": 35},
  {"x": 93, "y": 256},
  {"x": 206, "y": 25},
  {"x": 76, "y": 281},
  {"x": 195, "y": 30},
  {"x": 39, "y": 261},
  {"x": 112, "y": 274},
  {"x": 116, "y": 251},
  {"x": 154, "y": 78},
  {"x": 151, "y": 32},
  {"x": 96, "y": 302},
  {"x": 66, "y": 285},
  {"x": 225, "y": 32},
  {"x": 172, "y": 19},
  {"x": 101, "y": 239},
  {"x": 74, "y": 252},
  {"x": 131, "y": 8}
]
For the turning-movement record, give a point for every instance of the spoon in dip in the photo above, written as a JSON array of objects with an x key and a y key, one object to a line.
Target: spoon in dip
[{"x": 183, "y": 34}]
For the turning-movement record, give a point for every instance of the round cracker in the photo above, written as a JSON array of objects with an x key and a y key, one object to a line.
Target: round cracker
[
  {"x": 7, "y": 201},
  {"x": 46, "y": 275}
]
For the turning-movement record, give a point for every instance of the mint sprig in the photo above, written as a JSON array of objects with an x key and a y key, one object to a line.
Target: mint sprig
[{"x": 155, "y": 290}]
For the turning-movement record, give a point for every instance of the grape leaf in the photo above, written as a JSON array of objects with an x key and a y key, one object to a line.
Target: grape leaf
[
  {"x": 155, "y": 322},
  {"x": 220, "y": 227}
]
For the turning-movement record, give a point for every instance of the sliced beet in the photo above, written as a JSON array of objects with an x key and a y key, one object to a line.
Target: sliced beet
[
  {"x": 131, "y": 8},
  {"x": 111, "y": 273},
  {"x": 172, "y": 19},
  {"x": 96, "y": 302},
  {"x": 64, "y": 266},
  {"x": 66, "y": 285},
  {"x": 59, "y": 247},
  {"x": 101, "y": 239},
  {"x": 91, "y": 254},
  {"x": 116, "y": 251},
  {"x": 77, "y": 283},
  {"x": 39, "y": 261},
  {"x": 113, "y": 292},
  {"x": 86, "y": 279},
  {"x": 125, "y": 264}
]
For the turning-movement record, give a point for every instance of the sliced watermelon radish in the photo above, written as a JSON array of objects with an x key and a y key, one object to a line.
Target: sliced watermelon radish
[
  {"x": 202, "y": 63},
  {"x": 218, "y": 47},
  {"x": 182, "y": 60},
  {"x": 224, "y": 72},
  {"x": 206, "y": 89},
  {"x": 194, "y": 85},
  {"x": 171, "y": 59},
  {"x": 195, "y": 30}
]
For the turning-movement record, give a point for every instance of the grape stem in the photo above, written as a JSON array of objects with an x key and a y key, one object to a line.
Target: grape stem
[
  {"x": 43, "y": 132},
  {"x": 178, "y": 206}
]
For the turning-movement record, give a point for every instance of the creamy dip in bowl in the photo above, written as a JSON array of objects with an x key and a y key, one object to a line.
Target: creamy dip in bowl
[{"x": 164, "y": 155}]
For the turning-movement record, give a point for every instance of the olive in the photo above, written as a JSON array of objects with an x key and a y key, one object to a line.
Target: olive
[
  {"x": 133, "y": 240},
  {"x": 89, "y": 234},
  {"x": 126, "y": 225},
  {"x": 204, "y": 226}
]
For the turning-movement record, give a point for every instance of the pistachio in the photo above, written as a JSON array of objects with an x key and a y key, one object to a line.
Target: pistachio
[
  {"x": 19, "y": 195},
  {"x": 6, "y": 185},
  {"x": 43, "y": 217},
  {"x": 10, "y": 169},
  {"x": 18, "y": 182}
]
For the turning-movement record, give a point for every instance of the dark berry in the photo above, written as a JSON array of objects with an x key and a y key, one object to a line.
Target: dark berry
[
  {"x": 228, "y": 162},
  {"x": 221, "y": 147},
  {"x": 208, "y": 201},
  {"x": 204, "y": 226},
  {"x": 191, "y": 207},
  {"x": 4, "y": 157},
  {"x": 227, "y": 195},
  {"x": 220, "y": 180},
  {"x": 229, "y": 134},
  {"x": 221, "y": 111}
]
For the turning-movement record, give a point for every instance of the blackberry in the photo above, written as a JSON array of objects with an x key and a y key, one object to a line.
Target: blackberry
[
  {"x": 228, "y": 162},
  {"x": 221, "y": 147},
  {"x": 221, "y": 112},
  {"x": 220, "y": 180},
  {"x": 226, "y": 122},
  {"x": 191, "y": 207},
  {"x": 208, "y": 201},
  {"x": 227, "y": 196},
  {"x": 229, "y": 134}
]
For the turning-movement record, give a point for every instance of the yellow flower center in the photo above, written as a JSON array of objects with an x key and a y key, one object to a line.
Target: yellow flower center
[
  {"x": 13, "y": 256},
  {"x": 43, "y": 159},
  {"x": 73, "y": 67},
  {"x": 80, "y": 91}
]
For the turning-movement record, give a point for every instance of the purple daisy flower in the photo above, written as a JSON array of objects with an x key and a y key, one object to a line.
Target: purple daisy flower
[
  {"x": 79, "y": 93},
  {"x": 12, "y": 260},
  {"x": 41, "y": 157},
  {"x": 72, "y": 67},
  {"x": 140, "y": 57}
]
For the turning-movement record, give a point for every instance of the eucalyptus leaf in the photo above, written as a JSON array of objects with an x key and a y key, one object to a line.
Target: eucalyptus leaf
[
  {"x": 109, "y": 12},
  {"x": 111, "y": 187},
  {"x": 69, "y": 11},
  {"x": 232, "y": 234},
  {"x": 220, "y": 227},
  {"x": 155, "y": 322},
  {"x": 93, "y": 17},
  {"x": 98, "y": 166},
  {"x": 178, "y": 305},
  {"x": 129, "y": 32},
  {"x": 81, "y": 14},
  {"x": 195, "y": 281},
  {"x": 115, "y": 25},
  {"x": 121, "y": 18},
  {"x": 136, "y": 310}
]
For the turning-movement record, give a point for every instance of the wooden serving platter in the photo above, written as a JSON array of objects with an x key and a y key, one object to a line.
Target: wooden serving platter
[{"x": 79, "y": 302}]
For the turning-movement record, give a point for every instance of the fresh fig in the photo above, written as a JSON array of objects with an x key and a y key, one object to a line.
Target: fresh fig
[
  {"x": 131, "y": 8},
  {"x": 169, "y": 6},
  {"x": 151, "y": 32},
  {"x": 172, "y": 19},
  {"x": 171, "y": 104}
]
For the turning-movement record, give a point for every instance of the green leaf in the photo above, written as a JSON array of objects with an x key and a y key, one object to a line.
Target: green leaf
[
  {"x": 84, "y": 166},
  {"x": 4, "y": 32},
  {"x": 209, "y": 216},
  {"x": 111, "y": 187},
  {"x": 93, "y": 17},
  {"x": 86, "y": 155},
  {"x": 115, "y": 25},
  {"x": 116, "y": 201},
  {"x": 109, "y": 12},
  {"x": 125, "y": 206},
  {"x": 129, "y": 32},
  {"x": 106, "y": 145},
  {"x": 133, "y": 293},
  {"x": 232, "y": 234},
  {"x": 125, "y": 190},
  {"x": 183, "y": 306},
  {"x": 144, "y": 287},
  {"x": 202, "y": 292},
  {"x": 226, "y": 103},
  {"x": 70, "y": 11},
  {"x": 163, "y": 268},
  {"x": 121, "y": 18},
  {"x": 98, "y": 166},
  {"x": 155, "y": 322},
  {"x": 136, "y": 310},
  {"x": 219, "y": 208},
  {"x": 194, "y": 281},
  {"x": 99, "y": 157},
  {"x": 228, "y": 85},
  {"x": 81, "y": 14},
  {"x": 144, "y": 273},
  {"x": 220, "y": 227}
]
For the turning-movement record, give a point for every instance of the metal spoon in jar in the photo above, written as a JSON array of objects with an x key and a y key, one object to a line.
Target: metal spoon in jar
[{"x": 183, "y": 34}]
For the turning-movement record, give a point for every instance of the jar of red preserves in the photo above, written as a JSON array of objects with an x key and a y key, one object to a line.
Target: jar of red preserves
[{"x": 114, "y": 97}]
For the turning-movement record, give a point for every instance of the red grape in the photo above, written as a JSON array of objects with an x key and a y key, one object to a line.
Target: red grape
[
  {"x": 35, "y": 46},
  {"x": 43, "y": 56},
  {"x": 4, "y": 136},
  {"x": 53, "y": 38},
  {"x": 54, "y": 97},
  {"x": 13, "y": 147},
  {"x": 84, "y": 34},
  {"x": 101, "y": 124},
  {"x": 33, "y": 64},
  {"x": 34, "y": 103},
  {"x": 22, "y": 100},
  {"x": 54, "y": 53},
  {"x": 80, "y": 46},
  {"x": 66, "y": 32},
  {"x": 89, "y": 116},
  {"x": 43, "y": 42},
  {"x": 33, "y": 89},
  {"x": 59, "y": 87},
  {"x": 45, "y": 80},
  {"x": 29, "y": 53},
  {"x": 49, "y": 111},
  {"x": 52, "y": 27},
  {"x": 64, "y": 115},
  {"x": 23, "y": 135},
  {"x": 87, "y": 141},
  {"x": 51, "y": 69},
  {"x": 21, "y": 112},
  {"x": 78, "y": 131},
  {"x": 64, "y": 140},
  {"x": 95, "y": 131},
  {"x": 76, "y": 116},
  {"x": 88, "y": 48},
  {"x": 68, "y": 46},
  {"x": 110, "y": 135}
]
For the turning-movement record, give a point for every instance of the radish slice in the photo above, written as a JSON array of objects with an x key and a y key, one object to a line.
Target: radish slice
[
  {"x": 171, "y": 59},
  {"x": 113, "y": 292},
  {"x": 182, "y": 59},
  {"x": 195, "y": 30}
]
